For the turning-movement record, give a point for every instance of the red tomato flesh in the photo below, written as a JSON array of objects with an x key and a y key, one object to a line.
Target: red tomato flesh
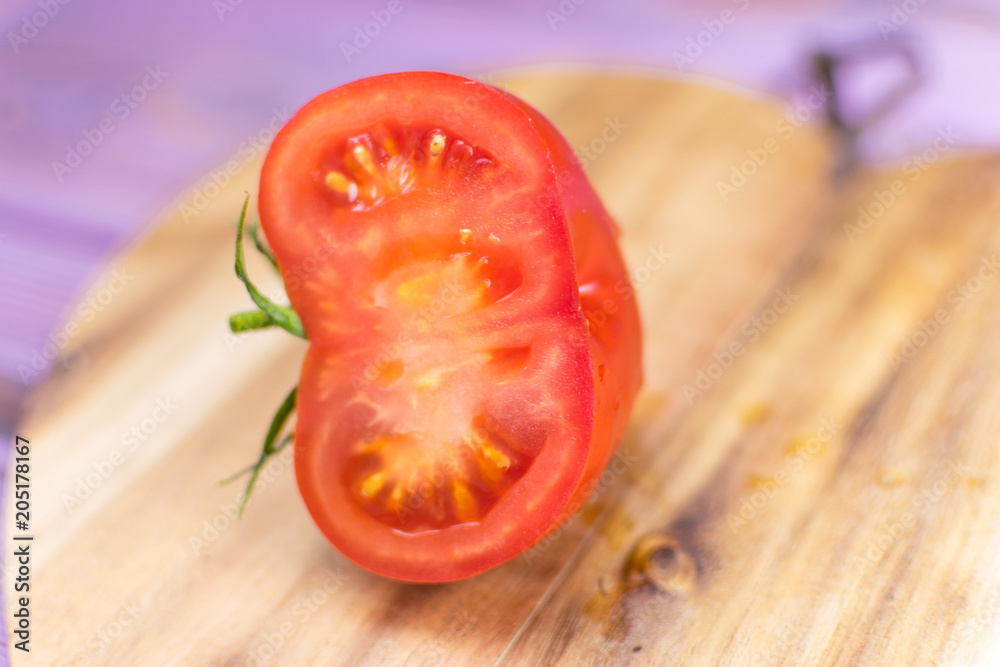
[{"x": 474, "y": 341}]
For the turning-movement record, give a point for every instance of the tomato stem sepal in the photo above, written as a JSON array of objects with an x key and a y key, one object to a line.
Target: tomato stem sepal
[
  {"x": 261, "y": 245},
  {"x": 282, "y": 316},
  {"x": 269, "y": 314},
  {"x": 250, "y": 320},
  {"x": 269, "y": 449}
]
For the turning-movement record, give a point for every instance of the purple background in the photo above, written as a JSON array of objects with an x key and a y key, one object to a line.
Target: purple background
[{"x": 227, "y": 65}]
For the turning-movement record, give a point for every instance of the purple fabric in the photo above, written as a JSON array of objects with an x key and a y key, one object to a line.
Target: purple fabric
[{"x": 212, "y": 74}]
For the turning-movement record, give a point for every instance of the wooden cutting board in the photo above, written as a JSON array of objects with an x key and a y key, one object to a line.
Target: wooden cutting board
[{"x": 812, "y": 475}]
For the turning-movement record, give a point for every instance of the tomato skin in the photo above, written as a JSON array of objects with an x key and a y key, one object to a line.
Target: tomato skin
[
  {"x": 610, "y": 308},
  {"x": 583, "y": 354}
]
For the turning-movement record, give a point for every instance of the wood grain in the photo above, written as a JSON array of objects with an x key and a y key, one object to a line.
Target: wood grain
[
  {"x": 818, "y": 505},
  {"x": 759, "y": 513}
]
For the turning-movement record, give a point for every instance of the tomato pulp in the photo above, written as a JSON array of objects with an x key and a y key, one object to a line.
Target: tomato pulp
[{"x": 474, "y": 341}]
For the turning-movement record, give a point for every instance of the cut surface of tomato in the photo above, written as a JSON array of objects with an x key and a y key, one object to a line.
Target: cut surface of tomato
[{"x": 467, "y": 376}]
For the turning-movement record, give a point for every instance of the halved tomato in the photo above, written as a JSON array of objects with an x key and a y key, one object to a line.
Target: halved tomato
[{"x": 474, "y": 344}]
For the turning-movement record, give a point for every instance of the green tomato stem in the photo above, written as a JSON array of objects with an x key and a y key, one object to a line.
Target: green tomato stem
[
  {"x": 283, "y": 316},
  {"x": 250, "y": 320},
  {"x": 269, "y": 449}
]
